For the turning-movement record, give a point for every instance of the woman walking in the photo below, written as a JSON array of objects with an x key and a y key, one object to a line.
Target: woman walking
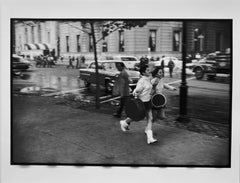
[
  {"x": 158, "y": 86},
  {"x": 143, "y": 92}
]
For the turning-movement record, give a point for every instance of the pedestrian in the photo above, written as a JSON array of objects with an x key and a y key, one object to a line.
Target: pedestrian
[
  {"x": 83, "y": 60},
  {"x": 158, "y": 86},
  {"x": 61, "y": 58},
  {"x": 143, "y": 92},
  {"x": 146, "y": 59},
  {"x": 171, "y": 65},
  {"x": 44, "y": 61},
  {"x": 48, "y": 61},
  {"x": 143, "y": 61},
  {"x": 121, "y": 88},
  {"x": 70, "y": 63},
  {"x": 77, "y": 63},
  {"x": 162, "y": 63}
]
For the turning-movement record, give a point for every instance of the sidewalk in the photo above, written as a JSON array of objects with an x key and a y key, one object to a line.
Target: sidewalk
[{"x": 47, "y": 133}]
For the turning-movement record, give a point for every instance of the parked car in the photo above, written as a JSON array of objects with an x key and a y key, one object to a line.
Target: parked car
[
  {"x": 213, "y": 64},
  {"x": 107, "y": 74},
  {"x": 129, "y": 61},
  {"x": 19, "y": 63}
]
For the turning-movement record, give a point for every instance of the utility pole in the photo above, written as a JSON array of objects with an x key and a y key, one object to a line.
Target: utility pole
[
  {"x": 183, "y": 117},
  {"x": 96, "y": 65}
]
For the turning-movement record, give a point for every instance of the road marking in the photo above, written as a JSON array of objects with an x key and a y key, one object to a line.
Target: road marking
[
  {"x": 178, "y": 81},
  {"x": 103, "y": 97},
  {"x": 110, "y": 100},
  {"x": 62, "y": 92}
]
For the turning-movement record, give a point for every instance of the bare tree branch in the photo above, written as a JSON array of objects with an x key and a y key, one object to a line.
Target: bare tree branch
[{"x": 77, "y": 28}]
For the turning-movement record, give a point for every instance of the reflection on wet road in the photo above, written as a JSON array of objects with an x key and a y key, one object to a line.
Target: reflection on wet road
[
  {"x": 53, "y": 82},
  {"x": 55, "y": 79}
]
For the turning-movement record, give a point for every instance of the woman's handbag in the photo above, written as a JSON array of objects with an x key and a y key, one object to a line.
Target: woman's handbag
[{"x": 135, "y": 109}]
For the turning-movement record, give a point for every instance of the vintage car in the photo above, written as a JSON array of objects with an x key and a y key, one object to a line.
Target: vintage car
[
  {"x": 107, "y": 74},
  {"x": 19, "y": 63},
  {"x": 213, "y": 64},
  {"x": 130, "y": 61}
]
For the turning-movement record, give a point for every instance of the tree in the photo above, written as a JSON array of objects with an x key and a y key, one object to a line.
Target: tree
[
  {"x": 90, "y": 27},
  {"x": 107, "y": 27}
]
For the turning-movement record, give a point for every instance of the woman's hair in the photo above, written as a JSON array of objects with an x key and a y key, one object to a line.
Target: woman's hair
[
  {"x": 155, "y": 71},
  {"x": 142, "y": 69}
]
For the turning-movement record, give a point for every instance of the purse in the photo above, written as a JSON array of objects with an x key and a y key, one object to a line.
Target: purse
[{"x": 135, "y": 109}]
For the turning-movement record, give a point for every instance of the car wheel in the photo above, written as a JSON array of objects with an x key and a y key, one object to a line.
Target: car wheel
[
  {"x": 108, "y": 87},
  {"x": 199, "y": 73}
]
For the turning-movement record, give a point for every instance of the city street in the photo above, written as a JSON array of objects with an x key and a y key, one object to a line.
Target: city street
[
  {"x": 51, "y": 126},
  {"x": 205, "y": 97}
]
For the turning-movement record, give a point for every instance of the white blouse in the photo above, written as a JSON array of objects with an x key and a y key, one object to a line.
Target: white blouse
[{"x": 143, "y": 89}]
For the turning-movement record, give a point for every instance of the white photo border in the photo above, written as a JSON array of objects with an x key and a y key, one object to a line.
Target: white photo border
[{"x": 169, "y": 9}]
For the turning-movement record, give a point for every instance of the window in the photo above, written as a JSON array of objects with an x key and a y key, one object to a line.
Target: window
[
  {"x": 67, "y": 43},
  {"x": 32, "y": 32},
  {"x": 39, "y": 33},
  {"x": 121, "y": 41},
  {"x": 219, "y": 41},
  {"x": 109, "y": 66},
  {"x": 198, "y": 40},
  {"x": 49, "y": 38},
  {"x": 90, "y": 44},
  {"x": 78, "y": 44},
  {"x": 20, "y": 42},
  {"x": 104, "y": 46},
  {"x": 26, "y": 35},
  {"x": 128, "y": 59},
  {"x": 152, "y": 40},
  {"x": 177, "y": 40}
]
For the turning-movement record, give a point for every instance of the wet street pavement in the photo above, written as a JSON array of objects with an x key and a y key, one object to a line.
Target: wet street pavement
[{"x": 208, "y": 101}]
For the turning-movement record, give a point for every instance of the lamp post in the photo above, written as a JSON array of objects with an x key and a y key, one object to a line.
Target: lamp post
[{"x": 183, "y": 117}]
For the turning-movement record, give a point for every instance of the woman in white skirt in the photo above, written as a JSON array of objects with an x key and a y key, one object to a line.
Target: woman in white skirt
[{"x": 143, "y": 92}]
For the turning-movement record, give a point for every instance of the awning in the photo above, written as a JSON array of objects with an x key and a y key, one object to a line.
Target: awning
[
  {"x": 30, "y": 46},
  {"x": 43, "y": 46}
]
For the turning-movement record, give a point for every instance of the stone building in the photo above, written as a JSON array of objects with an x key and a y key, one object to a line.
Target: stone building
[
  {"x": 35, "y": 37},
  {"x": 208, "y": 36},
  {"x": 156, "y": 38}
]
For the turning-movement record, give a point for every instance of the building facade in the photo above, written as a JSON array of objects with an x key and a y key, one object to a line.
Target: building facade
[
  {"x": 156, "y": 38},
  {"x": 35, "y": 37}
]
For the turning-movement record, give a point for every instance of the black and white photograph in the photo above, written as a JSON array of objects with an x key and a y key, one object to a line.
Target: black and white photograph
[{"x": 121, "y": 92}]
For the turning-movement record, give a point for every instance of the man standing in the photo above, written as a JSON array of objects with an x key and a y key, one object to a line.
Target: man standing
[
  {"x": 171, "y": 65},
  {"x": 162, "y": 63},
  {"x": 70, "y": 63},
  {"x": 122, "y": 83}
]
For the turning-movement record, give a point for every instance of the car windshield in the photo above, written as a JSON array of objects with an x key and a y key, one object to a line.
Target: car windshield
[
  {"x": 128, "y": 59},
  {"x": 92, "y": 66},
  {"x": 109, "y": 66}
]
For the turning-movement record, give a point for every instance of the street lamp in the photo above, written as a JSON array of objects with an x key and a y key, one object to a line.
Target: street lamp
[{"x": 183, "y": 117}]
